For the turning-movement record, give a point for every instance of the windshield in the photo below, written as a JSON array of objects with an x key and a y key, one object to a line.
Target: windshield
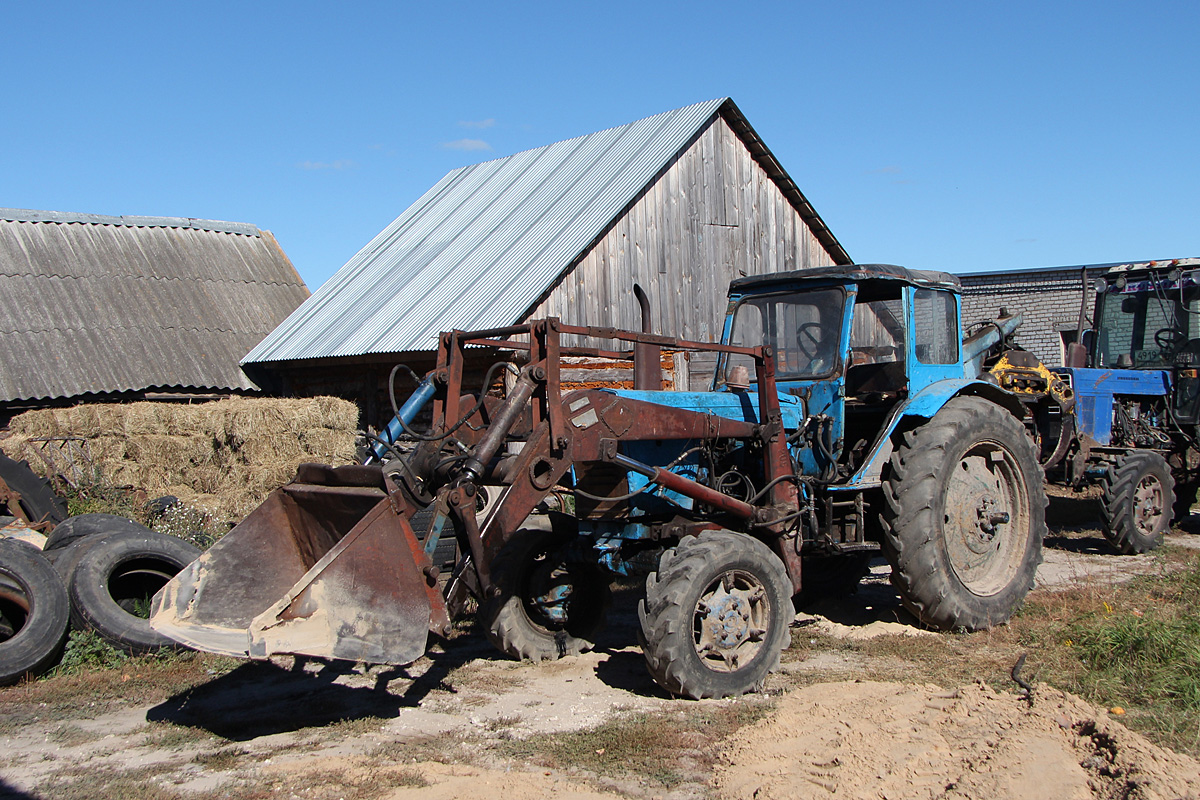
[
  {"x": 1154, "y": 324},
  {"x": 804, "y": 330}
]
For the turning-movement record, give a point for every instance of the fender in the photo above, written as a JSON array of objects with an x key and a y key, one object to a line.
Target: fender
[{"x": 922, "y": 406}]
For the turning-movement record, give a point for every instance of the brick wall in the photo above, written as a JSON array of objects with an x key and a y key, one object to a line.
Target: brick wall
[{"x": 1048, "y": 300}]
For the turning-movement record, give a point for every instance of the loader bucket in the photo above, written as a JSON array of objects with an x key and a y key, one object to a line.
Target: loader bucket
[{"x": 326, "y": 566}]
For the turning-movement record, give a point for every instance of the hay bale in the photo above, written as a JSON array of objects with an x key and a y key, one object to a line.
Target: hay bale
[
  {"x": 231, "y": 453},
  {"x": 329, "y": 446},
  {"x": 166, "y": 449},
  {"x": 17, "y": 447},
  {"x": 205, "y": 479}
]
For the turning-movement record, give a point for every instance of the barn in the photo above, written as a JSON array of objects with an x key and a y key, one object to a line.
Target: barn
[
  {"x": 105, "y": 308},
  {"x": 679, "y": 203}
]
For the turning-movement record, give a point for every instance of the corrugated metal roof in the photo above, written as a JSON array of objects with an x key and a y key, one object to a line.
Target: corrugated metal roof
[
  {"x": 477, "y": 249},
  {"x": 93, "y": 304}
]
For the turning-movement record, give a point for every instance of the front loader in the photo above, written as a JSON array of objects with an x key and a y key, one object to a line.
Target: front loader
[{"x": 845, "y": 416}]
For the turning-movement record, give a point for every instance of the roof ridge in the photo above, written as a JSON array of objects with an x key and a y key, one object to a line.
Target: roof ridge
[
  {"x": 630, "y": 124},
  {"x": 128, "y": 221},
  {"x": 114, "y": 276},
  {"x": 94, "y": 328}
]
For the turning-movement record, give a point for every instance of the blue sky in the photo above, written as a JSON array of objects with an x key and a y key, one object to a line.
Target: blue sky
[{"x": 959, "y": 136}]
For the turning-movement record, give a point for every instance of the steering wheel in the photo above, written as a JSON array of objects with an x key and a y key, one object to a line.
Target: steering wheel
[
  {"x": 1169, "y": 339},
  {"x": 810, "y": 336}
]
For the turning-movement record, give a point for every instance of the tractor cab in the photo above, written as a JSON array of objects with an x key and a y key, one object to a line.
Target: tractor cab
[
  {"x": 1148, "y": 316},
  {"x": 850, "y": 342}
]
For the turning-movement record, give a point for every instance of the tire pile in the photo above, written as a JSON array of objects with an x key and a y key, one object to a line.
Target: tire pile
[{"x": 95, "y": 572}]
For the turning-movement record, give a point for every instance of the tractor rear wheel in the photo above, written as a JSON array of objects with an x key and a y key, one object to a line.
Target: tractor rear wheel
[
  {"x": 550, "y": 605},
  {"x": 1138, "y": 503},
  {"x": 716, "y": 615},
  {"x": 965, "y": 516}
]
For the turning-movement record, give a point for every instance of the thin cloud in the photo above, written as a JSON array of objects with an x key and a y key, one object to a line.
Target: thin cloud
[
  {"x": 467, "y": 144},
  {"x": 885, "y": 171},
  {"x": 481, "y": 123},
  {"x": 341, "y": 163}
]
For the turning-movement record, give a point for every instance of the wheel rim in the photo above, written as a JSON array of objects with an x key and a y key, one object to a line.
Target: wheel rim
[
  {"x": 731, "y": 620},
  {"x": 986, "y": 518},
  {"x": 1148, "y": 505}
]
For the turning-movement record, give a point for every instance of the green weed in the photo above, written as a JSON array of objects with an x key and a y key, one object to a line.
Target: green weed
[{"x": 85, "y": 651}]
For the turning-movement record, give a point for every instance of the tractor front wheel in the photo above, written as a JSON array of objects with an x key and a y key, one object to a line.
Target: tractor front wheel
[
  {"x": 1138, "y": 501},
  {"x": 965, "y": 516},
  {"x": 716, "y": 615}
]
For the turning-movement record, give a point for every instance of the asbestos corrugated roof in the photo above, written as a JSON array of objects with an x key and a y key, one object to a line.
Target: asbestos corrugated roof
[
  {"x": 93, "y": 304},
  {"x": 479, "y": 248}
]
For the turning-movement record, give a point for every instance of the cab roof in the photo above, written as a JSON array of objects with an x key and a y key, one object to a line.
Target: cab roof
[{"x": 849, "y": 273}]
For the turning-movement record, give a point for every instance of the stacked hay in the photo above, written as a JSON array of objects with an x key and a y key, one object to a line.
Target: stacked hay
[{"x": 225, "y": 456}]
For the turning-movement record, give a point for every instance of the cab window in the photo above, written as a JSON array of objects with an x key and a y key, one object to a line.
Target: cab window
[{"x": 803, "y": 329}]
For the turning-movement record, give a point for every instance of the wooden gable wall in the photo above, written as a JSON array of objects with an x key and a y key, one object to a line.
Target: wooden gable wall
[{"x": 713, "y": 215}]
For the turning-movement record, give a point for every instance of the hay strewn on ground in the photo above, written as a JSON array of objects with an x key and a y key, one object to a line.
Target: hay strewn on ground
[{"x": 223, "y": 456}]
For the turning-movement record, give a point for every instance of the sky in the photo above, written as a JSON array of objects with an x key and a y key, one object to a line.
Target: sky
[{"x": 964, "y": 136}]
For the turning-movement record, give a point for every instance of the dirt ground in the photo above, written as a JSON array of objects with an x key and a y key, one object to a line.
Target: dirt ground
[{"x": 465, "y": 723}]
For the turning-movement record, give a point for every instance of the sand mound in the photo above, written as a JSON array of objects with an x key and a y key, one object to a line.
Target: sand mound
[
  {"x": 887, "y": 740},
  {"x": 224, "y": 456}
]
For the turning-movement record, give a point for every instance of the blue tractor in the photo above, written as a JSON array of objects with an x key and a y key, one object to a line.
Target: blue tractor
[
  {"x": 846, "y": 415},
  {"x": 1124, "y": 415}
]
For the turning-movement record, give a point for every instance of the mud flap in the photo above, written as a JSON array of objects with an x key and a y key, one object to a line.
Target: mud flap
[{"x": 318, "y": 569}]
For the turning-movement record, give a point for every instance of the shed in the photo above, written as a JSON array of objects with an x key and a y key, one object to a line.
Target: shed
[
  {"x": 1049, "y": 299},
  {"x": 112, "y": 308},
  {"x": 679, "y": 203}
]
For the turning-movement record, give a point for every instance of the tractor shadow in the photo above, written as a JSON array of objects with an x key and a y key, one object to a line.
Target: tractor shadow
[
  {"x": 260, "y": 698},
  {"x": 1074, "y": 524},
  {"x": 623, "y": 667}
]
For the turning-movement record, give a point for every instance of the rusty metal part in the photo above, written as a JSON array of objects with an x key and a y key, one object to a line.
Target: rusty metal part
[
  {"x": 12, "y": 499},
  {"x": 647, "y": 360},
  {"x": 682, "y": 485},
  {"x": 327, "y": 566}
]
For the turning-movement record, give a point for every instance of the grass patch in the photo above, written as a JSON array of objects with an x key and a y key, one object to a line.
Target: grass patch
[
  {"x": 62, "y": 696},
  {"x": 667, "y": 748},
  {"x": 1134, "y": 645},
  {"x": 169, "y": 736},
  {"x": 97, "y": 496},
  {"x": 365, "y": 782},
  {"x": 226, "y": 759},
  {"x": 451, "y": 747},
  {"x": 486, "y": 677},
  {"x": 68, "y": 735},
  {"x": 108, "y": 784}
]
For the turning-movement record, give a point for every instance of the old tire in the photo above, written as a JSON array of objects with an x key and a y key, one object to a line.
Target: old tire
[
  {"x": 34, "y": 608},
  {"x": 964, "y": 517},
  {"x": 716, "y": 615},
  {"x": 112, "y": 580},
  {"x": 38, "y": 501},
  {"x": 549, "y": 605},
  {"x": 73, "y": 529},
  {"x": 1138, "y": 501}
]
